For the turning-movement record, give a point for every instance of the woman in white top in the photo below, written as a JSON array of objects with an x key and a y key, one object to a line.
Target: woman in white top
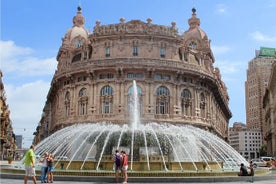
[{"x": 44, "y": 168}]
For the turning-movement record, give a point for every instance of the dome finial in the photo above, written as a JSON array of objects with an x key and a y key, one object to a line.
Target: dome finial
[
  {"x": 194, "y": 21},
  {"x": 79, "y": 8},
  {"x": 193, "y": 10},
  {"x": 78, "y": 20}
]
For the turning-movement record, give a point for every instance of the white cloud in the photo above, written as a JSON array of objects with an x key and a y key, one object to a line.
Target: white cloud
[
  {"x": 8, "y": 50},
  {"x": 261, "y": 37},
  {"x": 26, "y": 92},
  {"x": 26, "y": 98},
  {"x": 31, "y": 66},
  {"x": 26, "y": 103},
  {"x": 20, "y": 61}
]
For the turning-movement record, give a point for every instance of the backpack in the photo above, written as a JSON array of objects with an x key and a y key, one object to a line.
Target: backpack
[{"x": 118, "y": 160}]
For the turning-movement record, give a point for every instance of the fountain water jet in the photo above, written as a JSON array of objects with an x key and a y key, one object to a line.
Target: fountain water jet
[{"x": 135, "y": 104}]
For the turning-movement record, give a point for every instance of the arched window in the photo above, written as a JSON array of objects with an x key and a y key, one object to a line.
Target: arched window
[
  {"x": 106, "y": 100},
  {"x": 193, "y": 45},
  {"x": 67, "y": 103},
  {"x": 83, "y": 101},
  {"x": 202, "y": 105},
  {"x": 83, "y": 92},
  {"x": 76, "y": 57},
  {"x": 186, "y": 94},
  {"x": 162, "y": 100},
  {"x": 131, "y": 98},
  {"x": 78, "y": 43},
  {"x": 186, "y": 102}
]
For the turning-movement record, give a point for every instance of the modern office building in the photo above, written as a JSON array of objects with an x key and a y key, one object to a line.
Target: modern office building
[
  {"x": 258, "y": 74},
  {"x": 176, "y": 80}
]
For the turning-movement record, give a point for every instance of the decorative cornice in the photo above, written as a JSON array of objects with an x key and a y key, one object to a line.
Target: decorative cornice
[{"x": 135, "y": 27}]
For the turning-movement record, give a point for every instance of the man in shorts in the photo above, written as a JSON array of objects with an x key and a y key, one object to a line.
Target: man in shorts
[
  {"x": 117, "y": 164},
  {"x": 30, "y": 165}
]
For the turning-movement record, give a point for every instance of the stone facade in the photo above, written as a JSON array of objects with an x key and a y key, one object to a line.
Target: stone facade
[
  {"x": 8, "y": 141},
  {"x": 177, "y": 82},
  {"x": 269, "y": 104}
]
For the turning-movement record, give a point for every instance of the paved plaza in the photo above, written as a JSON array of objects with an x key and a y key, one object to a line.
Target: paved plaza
[{"x": 17, "y": 181}]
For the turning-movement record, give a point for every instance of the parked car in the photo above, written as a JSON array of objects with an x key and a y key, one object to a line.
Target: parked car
[
  {"x": 269, "y": 160},
  {"x": 257, "y": 162}
]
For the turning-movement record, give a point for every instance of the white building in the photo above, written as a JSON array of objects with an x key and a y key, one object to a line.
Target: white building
[{"x": 247, "y": 143}]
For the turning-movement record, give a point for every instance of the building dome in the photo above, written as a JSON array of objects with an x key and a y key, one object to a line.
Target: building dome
[
  {"x": 78, "y": 32},
  {"x": 76, "y": 36},
  {"x": 195, "y": 35},
  {"x": 78, "y": 28}
]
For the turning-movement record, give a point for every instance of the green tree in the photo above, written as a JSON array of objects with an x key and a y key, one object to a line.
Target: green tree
[{"x": 263, "y": 150}]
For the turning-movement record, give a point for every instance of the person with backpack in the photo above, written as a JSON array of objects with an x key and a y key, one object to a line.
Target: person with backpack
[{"x": 117, "y": 164}]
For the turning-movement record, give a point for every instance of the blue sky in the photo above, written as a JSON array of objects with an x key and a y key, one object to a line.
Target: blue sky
[{"x": 31, "y": 33}]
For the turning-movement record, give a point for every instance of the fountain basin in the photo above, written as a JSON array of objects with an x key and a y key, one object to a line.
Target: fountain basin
[
  {"x": 150, "y": 147},
  {"x": 141, "y": 165}
]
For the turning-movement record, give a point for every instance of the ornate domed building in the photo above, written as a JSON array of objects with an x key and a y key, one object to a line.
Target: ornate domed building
[{"x": 176, "y": 80}]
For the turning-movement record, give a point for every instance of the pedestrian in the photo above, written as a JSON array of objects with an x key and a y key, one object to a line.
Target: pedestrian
[
  {"x": 251, "y": 167},
  {"x": 243, "y": 170},
  {"x": 124, "y": 165},
  {"x": 44, "y": 168},
  {"x": 30, "y": 165},
  {"x": 117, "y": 164},
  {"x": 50, "y": 163}
]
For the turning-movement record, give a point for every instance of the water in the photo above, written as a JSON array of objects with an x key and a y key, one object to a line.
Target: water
[
  {"x": 135, "y": 113},
  {"x": 145, "y": 143}
]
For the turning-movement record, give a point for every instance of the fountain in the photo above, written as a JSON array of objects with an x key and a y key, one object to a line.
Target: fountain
[
  {"x": 160, "y": 150},
  {"x": 150, "y": 146}
]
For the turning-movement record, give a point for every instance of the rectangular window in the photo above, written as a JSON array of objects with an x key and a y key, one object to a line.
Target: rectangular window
[
  {"x": 107, "y": 52},
  {"x": 106, "y": 107},
  {"x": 162, "y": 108},
  {"x": 130, "y": 75},
  {"x": 163, "y": 52},
  {"x": 167, "y": 77},
  {"x": 110, "y": 76},
  {"x": 158, "y": 76},
  {"x": 102, "y": 76},
  {"x": 139, "y": 75},
  {"x": 135, "y": 51}
]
